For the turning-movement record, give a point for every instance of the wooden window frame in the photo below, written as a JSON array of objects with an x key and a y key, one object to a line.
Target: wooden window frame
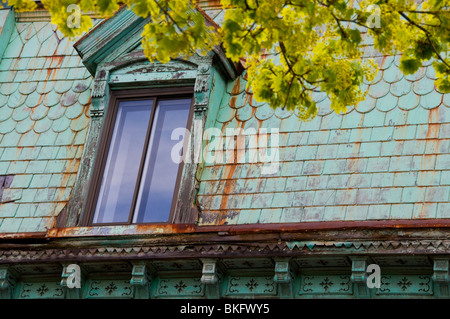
[{"x": 105, "y": 142}]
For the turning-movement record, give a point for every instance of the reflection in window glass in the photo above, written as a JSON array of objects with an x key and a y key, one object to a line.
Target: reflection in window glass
[
  {"x": 123, "y": 161},
  {"x": 160, "y": 171}
]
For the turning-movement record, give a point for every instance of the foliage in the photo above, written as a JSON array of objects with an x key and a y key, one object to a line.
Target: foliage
[{"x": 291, "y": 48}]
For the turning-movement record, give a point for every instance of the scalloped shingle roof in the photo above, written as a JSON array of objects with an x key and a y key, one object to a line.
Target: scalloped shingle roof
[{"x": 44, "y": 99}]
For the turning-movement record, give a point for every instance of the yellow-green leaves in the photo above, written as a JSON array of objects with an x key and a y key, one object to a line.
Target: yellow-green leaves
[
  {"x": 177, "y": 29},
  {"x": 68, "y": 16},
  {"x": 296, "y": 47},
  {"x": 291, "y": 48},
  {"x": 21, "y": 5}
]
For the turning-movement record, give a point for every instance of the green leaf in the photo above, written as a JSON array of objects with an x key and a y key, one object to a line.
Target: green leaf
[{"x": 410, "y": 65}]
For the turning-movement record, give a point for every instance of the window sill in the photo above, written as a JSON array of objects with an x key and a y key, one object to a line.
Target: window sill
[
  {"x": 302, "y": 227},
  {"x": 121, "y": 230}
]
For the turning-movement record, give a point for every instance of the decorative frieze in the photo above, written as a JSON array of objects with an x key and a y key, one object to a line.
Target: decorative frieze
[
  {"x": 179, "y": 288},
  {"x": 250, "y": 286},
  {"x": 405, "y": 285},
  {"x": 48, "y": 289},
  {"x": 325, "y": 285},
  {"x": 273, "y": 277},
  {"x": 109, "y": 288}
]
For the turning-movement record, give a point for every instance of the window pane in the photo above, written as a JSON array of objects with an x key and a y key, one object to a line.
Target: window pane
[
  {"x": 123, "y": 161},
  {"x": 160, "y": 171}
]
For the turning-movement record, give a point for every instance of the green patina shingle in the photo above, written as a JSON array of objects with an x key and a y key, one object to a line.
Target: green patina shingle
[
  {"x": 378, "y": 160},
  {"x": 373, "y": 162},
  {"x": 43, "y": 101}
]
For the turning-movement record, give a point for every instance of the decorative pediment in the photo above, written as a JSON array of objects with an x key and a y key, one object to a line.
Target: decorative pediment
[
  {"x": 113, "y": 55},
  {"x": 142, "y": 71},
  {"x": 119, "y": 37}
]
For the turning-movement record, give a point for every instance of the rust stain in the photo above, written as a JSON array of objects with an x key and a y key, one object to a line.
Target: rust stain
[
  {"x": 65, "y": 179},
  {"x": 228, "y": 188},
  {"x": 433, "y": 127},
  {"x": 209, "y": 4},
  {"x": 383, "y": 60},
  {"x": 233, "y": 102},
  {"x": 236, "y": 87},
  {"x": 169, "y": 228},
  {"x": 58, "y": 59},
  {"x": 121, "y": 230},
  {"x": 432, "y": 136},
  {"x": 233, "y": 229},
  {"x": 222, "y": 217},
  {"x": 433, "y": 130},
  {"x": 235, "y": 91},
  {"x": 434, "y": 115},
  {"x": 49, "y": 72},
  {"x": 423, "y": 211}
]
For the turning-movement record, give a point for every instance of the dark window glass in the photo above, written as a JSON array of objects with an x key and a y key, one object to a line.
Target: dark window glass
[
  {"x": 122, "y": 165},
  {"x": 139, "y": 176},
  {"x": 160, "y": 170}
]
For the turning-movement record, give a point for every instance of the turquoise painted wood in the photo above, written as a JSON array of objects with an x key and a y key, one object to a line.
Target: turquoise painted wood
[
  {"x": 384, "y": 159},
  {"x": 314, "y": 285}
]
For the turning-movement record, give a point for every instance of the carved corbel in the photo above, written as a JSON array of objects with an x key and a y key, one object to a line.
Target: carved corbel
[
  {"x": 99, "y": 95},
  {"x": 441, "y": 276},
  {"x": 283, "y": 276},
  {"x": 140, "y": 280},
  {"x": 211, "y": 277},
  {"x": 202, "y": 87},
  {"x": 359, "y": 276},
  {"x": 7, "y": 282}
]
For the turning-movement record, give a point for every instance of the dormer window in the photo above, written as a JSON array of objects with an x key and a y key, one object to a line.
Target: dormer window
[
  {"x": 130, "y": 174},
  {"x": 136, "y": 175}
]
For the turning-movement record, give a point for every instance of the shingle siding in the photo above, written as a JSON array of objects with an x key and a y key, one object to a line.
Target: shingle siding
[
  {"x": 44, "y": 98},
  {"x": 385, "y": 159}
]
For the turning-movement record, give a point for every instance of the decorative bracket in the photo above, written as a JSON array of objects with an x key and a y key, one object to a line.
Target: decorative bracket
[
  {"x": 283, "y": 276},
  {"x": 99, "y": 95},
  {"x": 441, "y": 276},
  {"x": 211, "y": 277},
  {"x": 202, "y": 87},
  {"x": 359, "y": 276},
  {"x": 7, "y": 283},
  {"x": 140, "y": 280}
]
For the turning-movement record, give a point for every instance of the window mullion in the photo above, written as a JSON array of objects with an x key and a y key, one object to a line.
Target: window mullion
[{"x": 142, "y": 163}]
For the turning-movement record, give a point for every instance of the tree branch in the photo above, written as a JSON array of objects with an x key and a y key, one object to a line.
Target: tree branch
[{"x": 427, "y": 34}]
